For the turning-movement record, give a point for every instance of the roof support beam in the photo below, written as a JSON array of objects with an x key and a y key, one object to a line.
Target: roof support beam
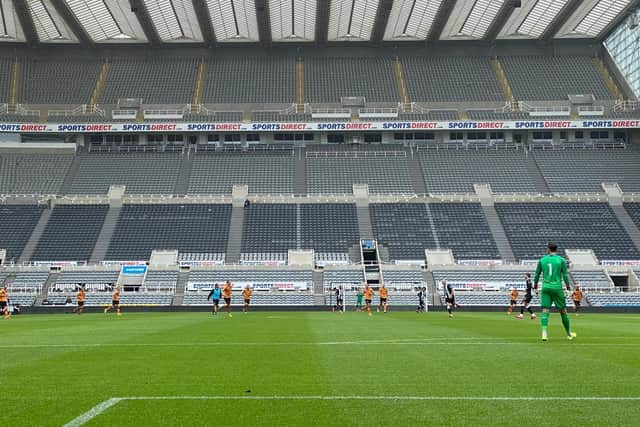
[
  {"x": 204, "y": 20},
  {"x": 562, "y": 17},
  {"x": 30, "y": 33},
  {"x": 441, "y": 19},
  {"x": 631, "y": 7},
  {"x": 140, "y": 10},
  {"x": 73, "y": 23},
  {"x": 382, "y": 18},
  {"x": 322, "y": 21},
  {"x": 264, "y": 21},
  {"x": 501, "y": 18}
]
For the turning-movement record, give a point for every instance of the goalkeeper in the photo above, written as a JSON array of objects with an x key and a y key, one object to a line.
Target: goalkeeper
[{"x": 553, "y": 269}]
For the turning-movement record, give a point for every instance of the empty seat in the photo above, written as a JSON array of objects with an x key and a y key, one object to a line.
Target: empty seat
[
  {"x": 33, "y": 173},
  {"x": 16, "y": 225}
]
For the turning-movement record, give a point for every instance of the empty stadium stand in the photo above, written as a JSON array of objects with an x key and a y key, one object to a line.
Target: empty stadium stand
[
  {"x": 614, "y": 299},
  {"x": 217, "y": 173},
  {"x": 595, "y": 279},
  {"x": 143, "y": 78},
  {"x": 530, "y": 226},
  {"x": 234, "y": 80},
  {"x": 455, "y": 171},
  {"x": 430, "y": 115},
  {"x": 33, "y": 173},
  {"x": 584, "y": 170},
  {"x": 481, "y": 280},
  {"x": 71, "y": 233},
  {"x": 326, "y": 80},
  {"x": 5, "y": 78},
  {"x": 91, "y": 279},
  {"x": 58, "y": 82},
  {"x": 336, "y": 171},
  {"x": 329, "y": 227},
  {"x": 553, "y": 78},
  {"x": 494, "y": 115},
  {"x": 270, "y": 228},
  {"x": 16, "y": 225},
  {"x": 141, "y": 173},
  {"x": 458, "y": 79},
  {"x": 191, "y": 228}
]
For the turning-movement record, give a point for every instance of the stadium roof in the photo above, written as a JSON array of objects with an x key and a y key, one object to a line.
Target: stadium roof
[{"x": 91, "y": 22}]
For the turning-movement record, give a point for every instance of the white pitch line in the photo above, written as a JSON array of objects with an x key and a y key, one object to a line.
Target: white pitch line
[
  {"x": 103, "y": 406},
  {"x": 469, "y": 342},
  {"x": 93, "y": 412}
]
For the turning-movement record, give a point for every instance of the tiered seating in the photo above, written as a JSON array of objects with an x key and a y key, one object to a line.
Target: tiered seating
[
  {"x": 530, "y": 226},
  {"x": 31, "y": 280},
  {"x": 67, "y": 81},
  {"x": 455, "y": 171},
  {"x": 276, "y": 116},
  {"x": 336, "y": 172},
  {"x": 5, "y": 78},
  {"x": 158, "y": 278},
  {"x": 217, "y": 116},
  {"x": 492, "y": 299},
  {"x": 463, "y": 228},
  {"x": 269, "y": 228},
  {"x": 444, "y": 115},
  {"x": 596, "y": 279},
  {"x": 392, "y": 277},
  {"x": 482, "y": 279},
  {"x": 263, "y": 258},
  {"x": 141, "y": 173},
  {"x": 16, "y": 225},
  {"x": 253, "y": 276},
  {"x": 143, "y": 78},
  {"x": 71, "y": 233},
  {"x": 70, "y": 279},
  {"x": 403, "y": 229},
  {"x": 633, "y": 209},
  {"x": 188, "y": 228},
  {"x": 258, "y": 299},
  {"x": 553, "y": 78},
  {"x": 33, "y": 173},
  {"x": 329, "y": 79},
  {"x": 333, "y": 278},
  {"x": 584, "y": 170},
  {"x": 395, "y": 299},
  {"x": 493, "y": 115},
  {"x": 451, "y": 79},
  {"x": 614, "y": 300},
  {"x": 328, "y": 227},
  {"x": 101, "y": 299},
  {"x": 19, "y": 118},
  {"x": 215, "y": 173},
  {"x": 235, "y": 80},
  {"x": 189, "y": 257}
]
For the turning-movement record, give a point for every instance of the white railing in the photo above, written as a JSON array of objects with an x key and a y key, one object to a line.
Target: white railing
[
  {"x": 124, "y": 114},
  {"x": 550, "y": 111},
  {"x": 163, "y": 114},
  {"x": 331, "y": 113},
  {"x": 21, "y": 109},
  {"x": 78, "y": 111},
  {"x": 621, "y": 106},
  {"x": 591, "y": 110},
  {"x": 378, "y": 112}
]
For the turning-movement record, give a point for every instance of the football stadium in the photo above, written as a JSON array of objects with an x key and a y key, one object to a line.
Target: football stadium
[{"x": 319, "y": 212}]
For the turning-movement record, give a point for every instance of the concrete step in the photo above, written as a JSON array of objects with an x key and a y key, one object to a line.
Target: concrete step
[
  {"x": 499, "y": 235},
  {"x": 365, "y": 226},
  {"x": 627, "y": 223},
  {"x": 36, "y": 234},
  {"x": 181, "y": 284},
  {"x": 234, "y": 244},
  {"x": 42, "y": 295},
  {"x": 536, "y": 174},
  {"x": 184, "y": 174},
  {"x": 106, "y": 233}
]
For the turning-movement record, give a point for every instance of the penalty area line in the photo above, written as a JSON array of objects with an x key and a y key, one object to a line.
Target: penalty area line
[{"x": 101, "y": 407}]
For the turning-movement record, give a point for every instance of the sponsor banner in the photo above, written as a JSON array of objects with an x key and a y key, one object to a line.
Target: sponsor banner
[
  {"x": 256, "y": 286},
  {"x": 120, "y": 263},
  {"x": 480, "y": 262},
  {"x": 205, "y": 263},
  {"x": 315, "y": 126},
  {"x": 485, "y": 285},
  {"x": 620, "y": 263},
  {"x": 134, "y": 270},
  {"x": 56, "y": 263}
]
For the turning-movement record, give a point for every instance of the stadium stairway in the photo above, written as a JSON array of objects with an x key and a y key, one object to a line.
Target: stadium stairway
[
  {"x": 534, "y": 172},
  {"x": 354, "y": 254},
  {"x": 432, "y": 288},
  {"x": 299, "y": 86},
  {"x": 300, "y": 172},
  {"x": 184, "y": 174},
  {"x": 499, "y": 235},
  {"x": 608, "y": 80},
  {"x": 236, "y": 228},
  {"x": 365, "y": 227},
  {"x": 42, "y": 295},
  {"x": 502, "y": 79},
  {"x": 36, "y": 234},
  {"x": 105, "y": 235},
  {"x": 401, "y": 83},
  {"x": 65, "y": 188},
  {"x": 196, "y": 99},
  {"x": 318, "y": 288},
  {"x": 385, "y": 256},
  {"x": 14, "y": 84},
  {"x": 415, "y": 172},
  {"x": 98, "y": 89},
  {"x": 181, "y": 285},
  {"x": 627, "y": 223}
]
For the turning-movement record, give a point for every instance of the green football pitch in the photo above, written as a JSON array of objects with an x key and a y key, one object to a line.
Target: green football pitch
[{"x": 303, "y": 368}]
